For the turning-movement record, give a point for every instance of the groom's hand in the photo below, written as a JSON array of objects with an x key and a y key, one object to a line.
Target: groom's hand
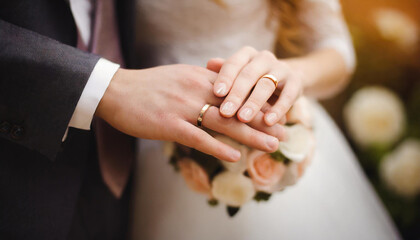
[{"x": 164, "y": 103}]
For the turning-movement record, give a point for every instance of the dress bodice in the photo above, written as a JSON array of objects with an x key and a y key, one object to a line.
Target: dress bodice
[{"x": 193, "y": 31}]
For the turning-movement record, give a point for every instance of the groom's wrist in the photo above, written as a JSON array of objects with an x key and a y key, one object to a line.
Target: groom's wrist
[{"x": 92, "y": 94}]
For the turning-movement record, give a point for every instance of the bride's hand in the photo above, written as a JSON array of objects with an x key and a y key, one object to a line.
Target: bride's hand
[
  {"x": 164, "y": 103},
  {"x": 241, "y": 75}
]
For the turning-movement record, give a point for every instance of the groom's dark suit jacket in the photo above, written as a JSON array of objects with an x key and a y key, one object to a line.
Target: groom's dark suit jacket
[{"x": 42, "y": 76}]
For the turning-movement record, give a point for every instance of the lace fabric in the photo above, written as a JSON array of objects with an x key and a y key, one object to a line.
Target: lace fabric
[
  {"x": 326, "y": 28},
  {"x": 192, "y": 31}
]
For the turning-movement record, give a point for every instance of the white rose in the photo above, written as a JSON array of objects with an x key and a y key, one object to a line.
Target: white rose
[
  {"x": 397, "y": 27},
  {"x": 301, "y": 112},
  {"x": 400, "y": 170},
  {"x": 233, "y": 189},
  {"x": 374, "y": 115},
  {"x": 239, "y": 166},
  {"x": 298, "y": 144},
  {"x": 291, "y": 176},
  {"x": 168, "y": 149}
]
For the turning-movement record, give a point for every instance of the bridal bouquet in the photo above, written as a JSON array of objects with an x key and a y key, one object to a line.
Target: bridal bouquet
[{"x": 257, "y": 175}]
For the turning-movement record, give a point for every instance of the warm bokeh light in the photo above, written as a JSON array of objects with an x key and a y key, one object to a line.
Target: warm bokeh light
[{"x": 384, "y": 98}]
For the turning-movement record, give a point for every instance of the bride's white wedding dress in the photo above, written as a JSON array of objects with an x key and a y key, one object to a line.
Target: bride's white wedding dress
[{"x": 333, "y": 200}]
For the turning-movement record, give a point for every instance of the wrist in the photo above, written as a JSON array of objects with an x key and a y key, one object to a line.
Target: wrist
[
  {"x": 107, "y": 105},
  {"x": 301, "y": 67}
]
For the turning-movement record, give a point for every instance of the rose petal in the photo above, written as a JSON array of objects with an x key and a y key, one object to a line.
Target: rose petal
[
  {"x": 298, "y": 144},
  {"x": 233, "y": 189}
]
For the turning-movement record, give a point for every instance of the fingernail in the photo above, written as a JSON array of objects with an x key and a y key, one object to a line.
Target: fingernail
[
  {"x": 271, "y": 118},
  {"x": 235, "y": 155},
  {"x": 246, "y": 114},
  {"x": 272, "y": 142},
  {"x": 227, "y": 108},
  {"x": 220, "y": 89}
]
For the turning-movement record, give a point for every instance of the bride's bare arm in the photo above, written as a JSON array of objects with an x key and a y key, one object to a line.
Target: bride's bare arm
[{"x": 324, "y": 73}]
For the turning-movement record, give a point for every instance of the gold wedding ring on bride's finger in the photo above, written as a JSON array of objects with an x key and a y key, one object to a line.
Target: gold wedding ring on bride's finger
[
  {"x": 272, "y": 78},
  {"x": 201, "y": 115}
]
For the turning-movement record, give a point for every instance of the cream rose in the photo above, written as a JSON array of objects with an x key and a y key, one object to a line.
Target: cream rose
[
  {"x": 239, "y": 166},
  {"x": 301, "y": 167},
  {"x": 395, "y": 26},
  {"x": 298, "y": 144},
  {"x": 233, "y": 189},
  {"x": 195, "y": 176},
  {"x": 400, "y": 170},
  {"x": 264, "y": 171},
  {"x": 374, "y": 115},
  {"x": 301, "y": 112}
]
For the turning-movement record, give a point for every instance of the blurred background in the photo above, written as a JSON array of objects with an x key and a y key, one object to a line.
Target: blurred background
[{"x": 379, "y": 112}]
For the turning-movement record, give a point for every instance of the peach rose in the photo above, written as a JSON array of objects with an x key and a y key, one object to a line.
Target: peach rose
[
  {"x": 264, "y": 171},
  {"x": 195, "y": 176}
]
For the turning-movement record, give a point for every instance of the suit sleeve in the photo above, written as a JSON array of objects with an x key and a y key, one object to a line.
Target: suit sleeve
[{"x": 41, "y": 81}]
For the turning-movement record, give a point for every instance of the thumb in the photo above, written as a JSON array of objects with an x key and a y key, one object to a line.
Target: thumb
[{"x": 215, "y": 64}]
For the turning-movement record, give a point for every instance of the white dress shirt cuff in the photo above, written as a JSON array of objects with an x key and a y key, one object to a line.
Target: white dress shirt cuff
[{"x": 92, "y": 94}]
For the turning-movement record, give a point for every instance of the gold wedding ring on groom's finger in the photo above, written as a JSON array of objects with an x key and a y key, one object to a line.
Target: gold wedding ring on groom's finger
[
  {"x": 272, "y": 78},
  {"x": 201, "y": 115}
]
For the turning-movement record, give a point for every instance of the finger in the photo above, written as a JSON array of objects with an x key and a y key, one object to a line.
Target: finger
[
  {"x": 243, "y": 84},
  {"x": 283, "y": 120},
  {"x": 261, "y": 93},
  {"x": 239, "y": 131},
  {"x": 215, "y": 64},
  {"x": 231, "y": 69},
  {"x": 276, "y": 130},
  {"x": 191, "y": 136},
  {"x": 287, "y": 97},
  {"x": 266, "y": 107}
]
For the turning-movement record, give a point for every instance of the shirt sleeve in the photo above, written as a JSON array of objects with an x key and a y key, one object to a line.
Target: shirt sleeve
[
  {"x": 325, "y": 27},
  {"x": 92, "y": 94}
]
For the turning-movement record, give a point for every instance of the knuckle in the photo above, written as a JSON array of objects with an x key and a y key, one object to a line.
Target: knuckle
[
  {"x": 196, "y": 68},
  {"x": 235, "y": 96},
  {"x": 178, "y": 133},
  {"x": 197, "y": 83},
  {"x": 280, "y": 108},
  {"x": 254, "y": 103},
  {"x": 248, "y": 49},
  {"x": 229, "y": 124},
  {"x": 282, "y": 64},
  {"x": 289, "y": 97},
  {"x": 224, "y": 78},
  {"x": 267, "y": 53},
  {"x": 231, "y": 64},
  {"x": 254, "y": 138},
  {"x": 196, "y": 139},
  {"x": 249, "y": 72}
]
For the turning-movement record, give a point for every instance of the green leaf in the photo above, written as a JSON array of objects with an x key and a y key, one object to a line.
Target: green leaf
[
  {"x": 262, "y": 196},
  {"x": 213, "y": 202},
  {"x": 173, "y": 162},
  {"x": 232, "y": 211},
  {"x": 209, "y": 163},
  {"x": 278, "y": 156}
]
